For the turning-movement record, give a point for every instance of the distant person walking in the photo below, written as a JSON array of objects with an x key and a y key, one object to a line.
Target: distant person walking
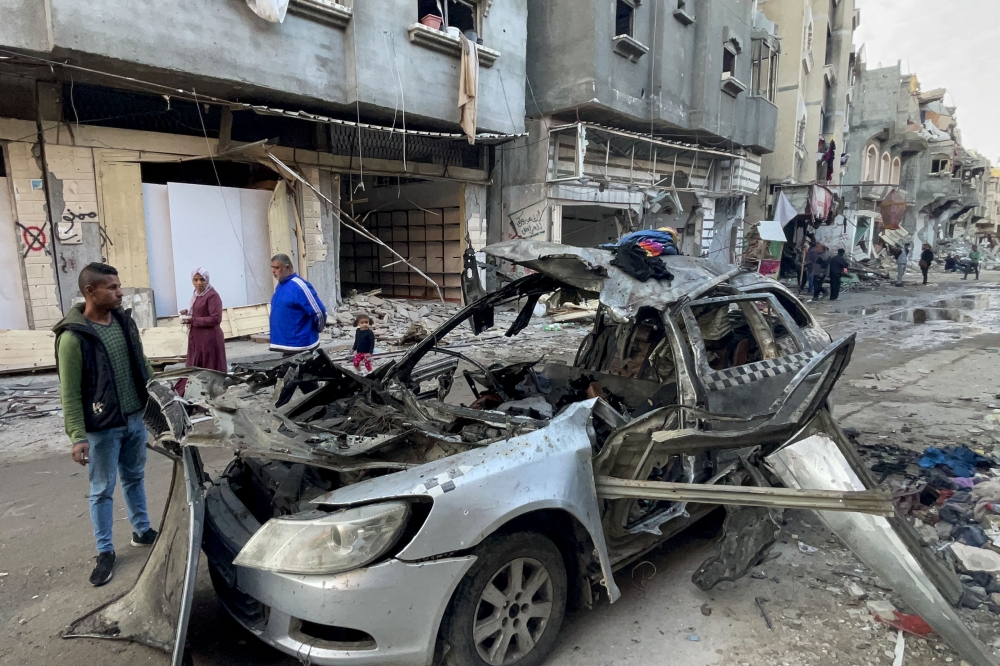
[
  {"x": 820, "y": 269},
  {"x": 297, "y": 314},
  {"x": 926, "y": 257},
  {"x": 838, "y": 269},
  {"x": 973, "y": 263},
  {"x": 102, "y": 383},
  {"x": 901, "y": 259},
  {"x": 808, "y": 259},
  {"x": 206, "y": 341}
]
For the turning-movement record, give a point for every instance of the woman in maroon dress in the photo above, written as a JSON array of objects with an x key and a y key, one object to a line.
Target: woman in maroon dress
[{"x": 206, "y": 342}]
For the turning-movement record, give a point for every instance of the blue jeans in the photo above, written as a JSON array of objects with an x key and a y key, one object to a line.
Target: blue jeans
[{"x": 112, "y": 452}]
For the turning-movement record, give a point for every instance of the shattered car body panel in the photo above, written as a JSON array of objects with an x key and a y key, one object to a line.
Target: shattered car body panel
[{"x": 692, "y": 380}]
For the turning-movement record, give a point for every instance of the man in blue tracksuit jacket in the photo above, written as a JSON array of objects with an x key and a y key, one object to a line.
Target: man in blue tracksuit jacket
[{"x": 297, "y": 314}]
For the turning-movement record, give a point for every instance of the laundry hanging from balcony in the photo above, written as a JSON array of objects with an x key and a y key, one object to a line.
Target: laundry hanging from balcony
[{"x": 468, "y": 87}]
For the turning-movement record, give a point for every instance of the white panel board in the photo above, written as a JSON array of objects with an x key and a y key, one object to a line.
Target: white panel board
[
  {"x": 256, "y": 245},
  {"x": 160, "y": 249},
  {"x": 12, "y": 312},
  {"x": 207, "y": 230}
]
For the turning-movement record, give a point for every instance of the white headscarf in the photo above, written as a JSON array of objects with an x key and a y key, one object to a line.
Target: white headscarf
[{"x": 196, "y": 295}]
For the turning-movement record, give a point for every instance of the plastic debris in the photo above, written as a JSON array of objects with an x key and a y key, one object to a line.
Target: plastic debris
[
  {"x": 900, "y": 647},
  {"x": 911, "y": 624},
  {"x": 807, "y": 549}
]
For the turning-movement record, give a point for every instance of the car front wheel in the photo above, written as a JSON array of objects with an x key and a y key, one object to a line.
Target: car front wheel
[{"x": 510, "y": 606}]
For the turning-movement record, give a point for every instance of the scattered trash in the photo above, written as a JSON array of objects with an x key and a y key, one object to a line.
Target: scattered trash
[
  {"x": 808, "y": 550},
  {"x": 961, "y": 460},
  {"x": 706, "y": 610},
  {"x": 900, "y": 647},
  {"x": 694, "y": 638},
  {"x": 911, "y": 624},
  {"x": 976, "y": 559}
]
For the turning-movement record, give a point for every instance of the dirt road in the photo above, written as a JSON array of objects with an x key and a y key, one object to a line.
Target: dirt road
[{"x": 910, "y": 384}]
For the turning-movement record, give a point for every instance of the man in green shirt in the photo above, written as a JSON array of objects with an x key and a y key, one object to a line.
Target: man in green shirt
[
  {"x": 102, "y": 383},
  {"x": 973, "y": 264}
]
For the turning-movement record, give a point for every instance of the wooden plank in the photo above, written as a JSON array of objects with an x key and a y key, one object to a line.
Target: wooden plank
[
  {"x": 236, "y": 322},
  {"x": 119, "y": 194},
  {"x": 26, "y": 351}
]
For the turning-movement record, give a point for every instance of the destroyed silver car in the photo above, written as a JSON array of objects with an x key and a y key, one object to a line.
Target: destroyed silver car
[{"x": 367, "y": 520}]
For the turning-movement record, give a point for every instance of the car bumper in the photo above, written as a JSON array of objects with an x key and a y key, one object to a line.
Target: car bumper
[{"x": 394, "y": 607}]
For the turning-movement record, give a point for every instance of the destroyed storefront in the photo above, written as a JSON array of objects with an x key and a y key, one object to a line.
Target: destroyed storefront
[
  {"x": 585, "y": 185},
  {"x": 696, "y": 390},
  {"x": 223, "y": 187}
]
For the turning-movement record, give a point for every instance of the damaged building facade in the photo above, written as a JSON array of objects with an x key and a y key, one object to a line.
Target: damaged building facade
[
  {"x": 814, "y": 97},
  {"x": 919, "y": 184},
  {"x": 157, "y": 149},
  {"x": 640, "y": 115}
]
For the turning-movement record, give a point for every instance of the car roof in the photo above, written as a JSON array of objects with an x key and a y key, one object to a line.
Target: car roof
[{"x": 590, "y": 269}]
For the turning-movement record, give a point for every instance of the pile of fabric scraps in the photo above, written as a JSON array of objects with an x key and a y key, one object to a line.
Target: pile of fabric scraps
[
  {"x": 961, "y": 460},
  {"x": 952, "y": 497}
]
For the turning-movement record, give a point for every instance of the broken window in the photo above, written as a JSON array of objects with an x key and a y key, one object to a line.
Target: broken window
[
  {"x": 800, "y": 133},
  {"x": 940, "y": 165},
  {"x": 731, "y": 332},
  {"x": 624, "y": 18},
  {"x": 764, "y": 69}
]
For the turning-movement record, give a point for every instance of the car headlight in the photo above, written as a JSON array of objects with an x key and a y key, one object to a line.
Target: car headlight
[{"x": 325, "y": 543}]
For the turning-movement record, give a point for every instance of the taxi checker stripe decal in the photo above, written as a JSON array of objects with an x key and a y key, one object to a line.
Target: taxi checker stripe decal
[{"x": 744, "y": 374}]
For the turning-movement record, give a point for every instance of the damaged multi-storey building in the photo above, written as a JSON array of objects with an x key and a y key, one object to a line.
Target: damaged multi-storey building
[
  {"x": 814, "y": 81},
  {"x": 919, "y": 184},
  {"x": 153, "y": 147},
  {"x": 640, "y": 115}
]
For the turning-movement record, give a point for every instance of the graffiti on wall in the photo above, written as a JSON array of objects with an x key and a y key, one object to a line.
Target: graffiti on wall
[
  {"x": 529, "y": 222},
  {"x": 34, "y": 238},
  {"x": 71, "y": 225}
]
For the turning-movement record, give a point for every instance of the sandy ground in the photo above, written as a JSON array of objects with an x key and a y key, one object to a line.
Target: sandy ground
[{"x": 910, "y": 385}]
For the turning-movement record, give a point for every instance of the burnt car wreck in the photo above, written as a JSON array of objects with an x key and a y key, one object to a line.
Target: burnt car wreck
[{"x": 369, "y": 520}]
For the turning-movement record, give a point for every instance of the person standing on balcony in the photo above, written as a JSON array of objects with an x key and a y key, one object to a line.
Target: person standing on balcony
[{"x": 102, "y": 383}]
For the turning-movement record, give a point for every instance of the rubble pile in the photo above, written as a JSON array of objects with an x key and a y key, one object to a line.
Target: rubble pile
[
  {"x": 400, "y": 322},
  {"x": 952, "y": 497},
  {"x": 28, "y": 403}
]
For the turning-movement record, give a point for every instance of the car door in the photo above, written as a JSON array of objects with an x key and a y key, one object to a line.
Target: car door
[{"x": 156, "y": 610}]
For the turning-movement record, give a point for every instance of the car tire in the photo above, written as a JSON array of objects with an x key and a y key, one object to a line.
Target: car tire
[{"x": 478, "y": 626}]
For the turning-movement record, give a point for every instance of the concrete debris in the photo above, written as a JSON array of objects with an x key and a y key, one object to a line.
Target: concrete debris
[{"x": 976, "y": 559}]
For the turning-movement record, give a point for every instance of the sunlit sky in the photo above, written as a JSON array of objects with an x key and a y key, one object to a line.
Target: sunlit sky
[{"x": 953, "y": 44}]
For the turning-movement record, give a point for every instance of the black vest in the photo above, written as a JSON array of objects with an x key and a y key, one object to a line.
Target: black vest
[{"x": 101, "y": 408}]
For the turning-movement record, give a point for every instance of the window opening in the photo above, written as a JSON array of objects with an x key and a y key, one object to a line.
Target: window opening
[
  {"x": 624, "y": 18},
  {"x": 728, "y": 61},
  {"x": 458, "y": 13},
  {"x": 940, "y": 166},
  {"x": 884, "y": 175},
  {"x": 763, "y": 70},
  {"x": 871, "y": 163}
]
